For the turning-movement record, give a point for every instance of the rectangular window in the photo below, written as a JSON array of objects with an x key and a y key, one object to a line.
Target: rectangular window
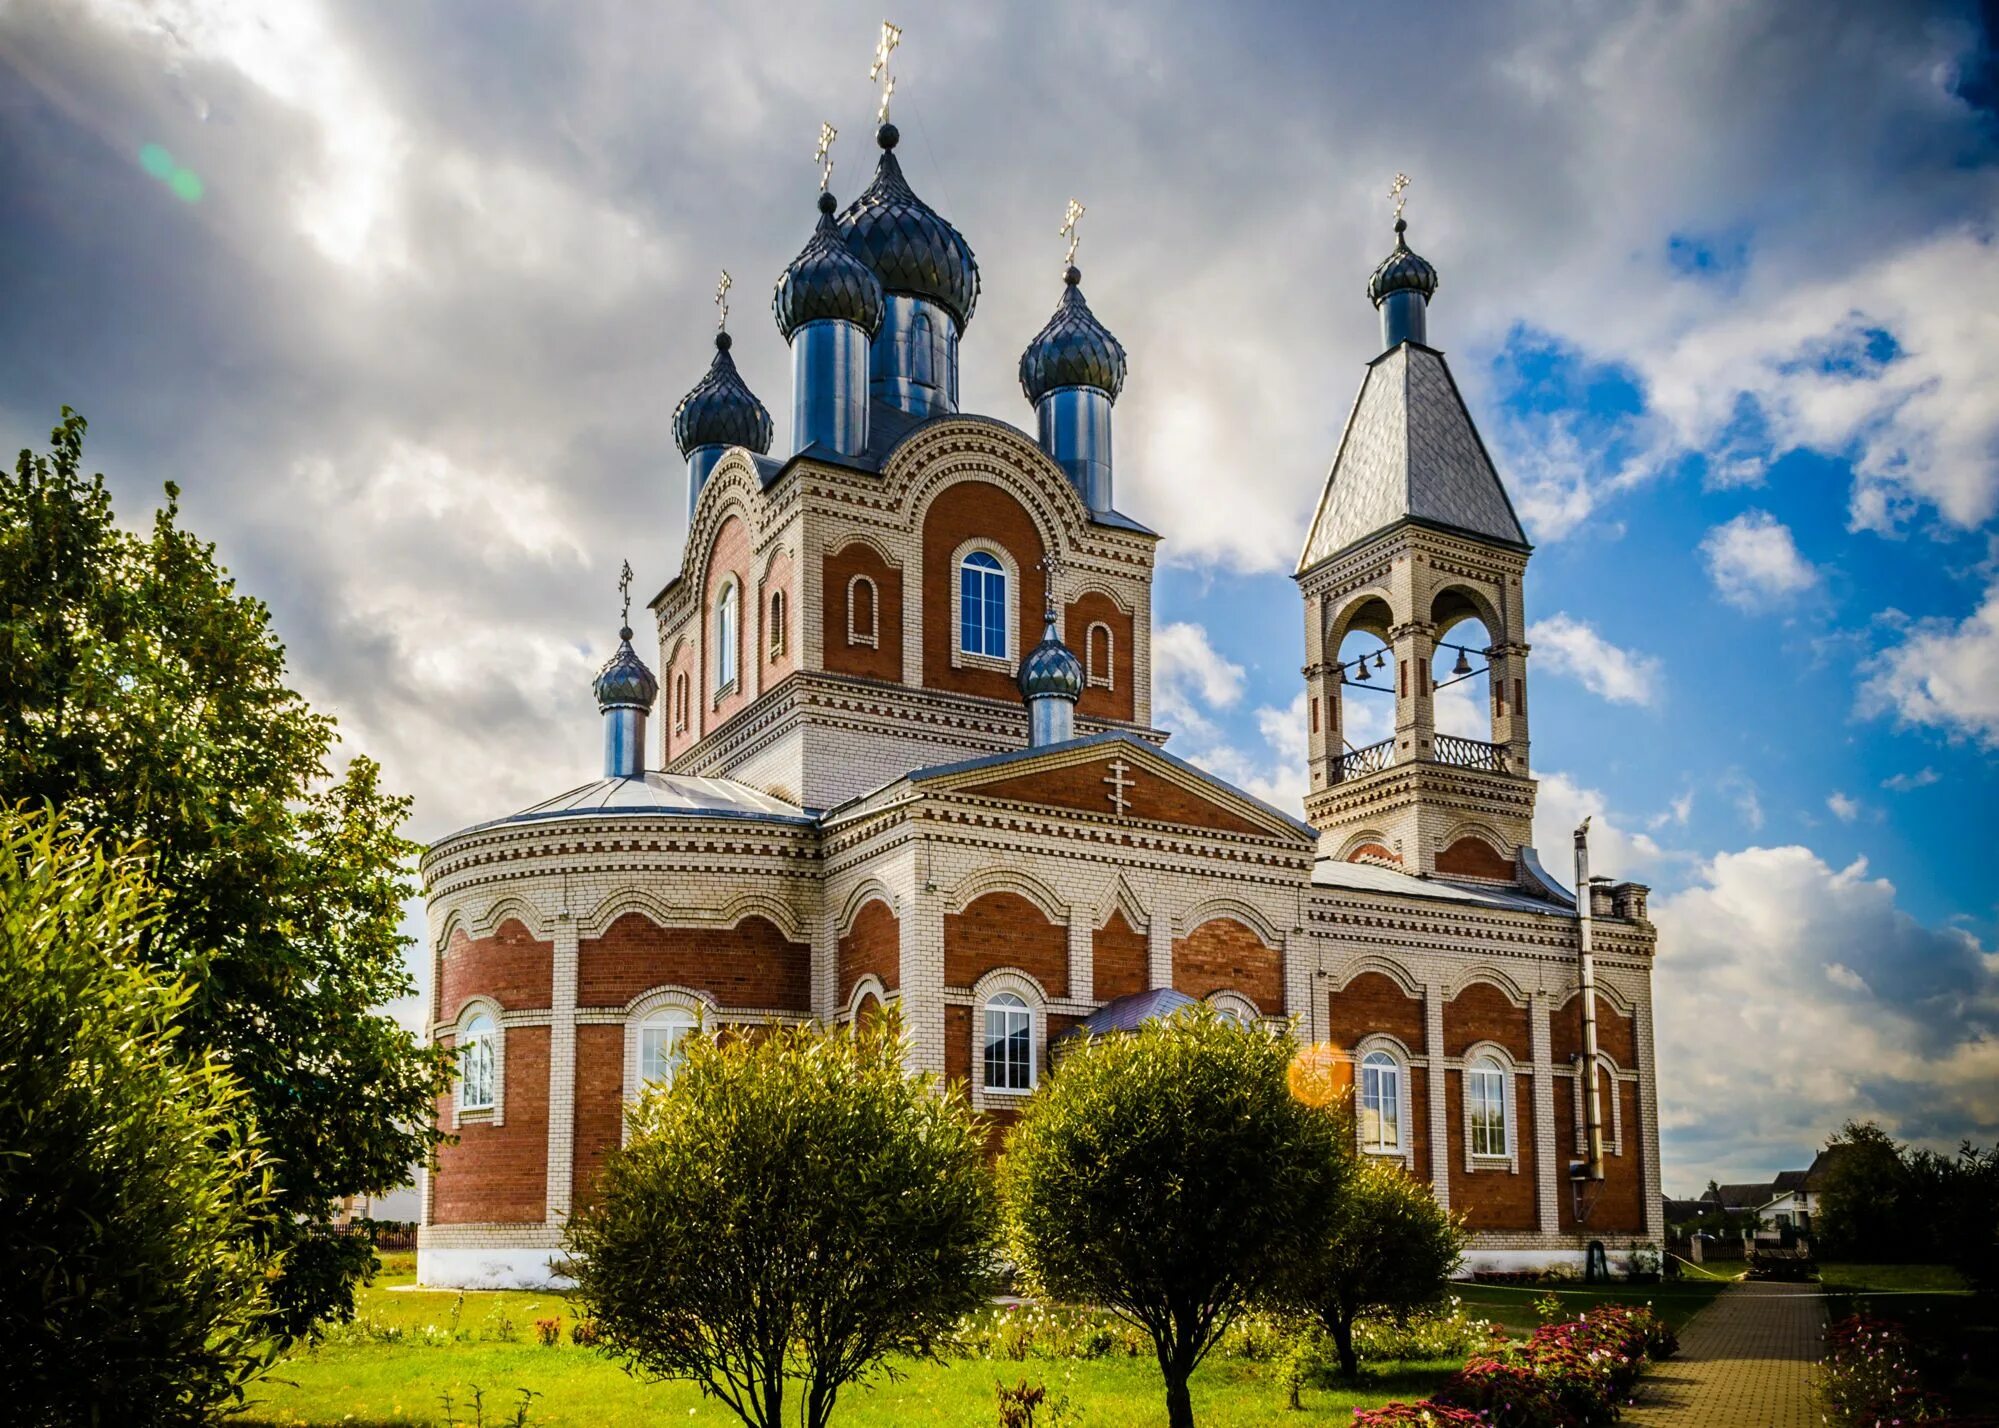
[
  {"x": 1485, "y": 1104},
  {"x": 982, "y": 606},
  {"x": 1009, "y": 1048},
  {"x": 1380, "y": 1104}
]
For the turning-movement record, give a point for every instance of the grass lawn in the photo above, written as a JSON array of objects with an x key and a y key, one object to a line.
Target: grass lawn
[
  {"x": 1512, "y": 1305},
  {"x": 391, "y": 1375}
]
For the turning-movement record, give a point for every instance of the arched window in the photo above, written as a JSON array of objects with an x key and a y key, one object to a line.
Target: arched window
[
  {"x": 776, "y": 625},
  {"x": 1009, "y": 1048},
  {"x": 1099, "y": 648},
  {"x": 863, "y": 611},
  {"x": 920, "y": 366},
  {"x": 680, "y": 702},
  {"x": 659, "y": 1044},
  {"x": 982, "y": 605},
  {"x": 475, "y": 1065},
  {"x": 1485, "y": 1106},
  {"x": 727, "y": 622},
  {"x": 1380, "y": 1104}
]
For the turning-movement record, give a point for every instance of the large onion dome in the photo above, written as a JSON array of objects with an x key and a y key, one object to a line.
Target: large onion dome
[
  {"x": 1051, "y": 669},
  {"x": 1402, "y": 271},
  {"x": 827, "y": 281},
  {"x": 624, "y": 681},
  {"x": 1073, "y": 350},
  {"x": 910, "y": 248},
  {"x": 721, "y": 410}
]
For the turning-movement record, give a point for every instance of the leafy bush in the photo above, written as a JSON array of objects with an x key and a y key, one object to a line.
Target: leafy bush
[
  {"x": 583, "y": 1333},
  {"x": 548, "y": 1331},
  {"x": 792, "y": 1210},
  {"x": 1168, "y": 1174},
  {"x": 130, "y": 1290},
  {"x": 1870, "y": 1376},
  {"x": 1447, "y": 1332},
  {"x": 1418, "y": 1415}
]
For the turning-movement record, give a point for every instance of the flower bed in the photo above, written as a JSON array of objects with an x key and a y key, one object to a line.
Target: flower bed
[
  {"x": 1568, "y": 1374},
  {"x": 1870, "y": 1375}
]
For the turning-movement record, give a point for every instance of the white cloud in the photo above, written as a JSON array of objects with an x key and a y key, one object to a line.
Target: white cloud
[
  {"x": 1616, "y": 850},
  {"x": 1754, "y": 562},
  {"x": 1573, "y": 647},
  {"x": 1189, "y": 672},
  {"x": 1843, "y": 808},
  {"x": 1675, "y": 814},
  {"x": 1943, "y": 675},
  {"x": 1906, "y": 782},
  {"x": 1853, "y": 1008}
]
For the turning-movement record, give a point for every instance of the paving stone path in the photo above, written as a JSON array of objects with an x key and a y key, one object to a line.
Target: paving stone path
[{"x": 1745, "y": 1361}]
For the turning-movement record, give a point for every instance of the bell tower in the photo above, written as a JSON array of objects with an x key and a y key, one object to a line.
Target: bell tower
[{"x": 1411, "y": 578}]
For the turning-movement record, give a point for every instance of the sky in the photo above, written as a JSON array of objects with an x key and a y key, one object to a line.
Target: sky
[{"x": 403, "y": 297}]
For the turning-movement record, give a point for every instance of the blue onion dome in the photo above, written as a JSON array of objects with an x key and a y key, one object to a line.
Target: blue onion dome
[
  {"x": 1402, "y": 271},
  {"x": 827, "y": 281},
  {"x": 624, "y": 679},
  {"x": 1073, "y": 350},
  {"x": 721, "y": 410},
  {"x": 910, "y": 248},
  {"x": 1051, "y": 668}
]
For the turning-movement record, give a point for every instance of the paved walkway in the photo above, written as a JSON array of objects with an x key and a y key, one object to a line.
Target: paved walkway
[{"x": 1745, "y": 1361}]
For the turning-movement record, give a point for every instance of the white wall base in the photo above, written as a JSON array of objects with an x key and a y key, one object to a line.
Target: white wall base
[
  {"x": 1529, "y": 1261},
  {"x": 490, "y": 1269}
]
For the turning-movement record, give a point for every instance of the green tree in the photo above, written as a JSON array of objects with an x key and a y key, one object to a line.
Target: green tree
[
  {"x": 795, "y": 1208},
  {"x": 131, "y": 1289},
  {"x": 1388, "y": 1250},
  {"x": 1863, "y": 1210},
  {"x": 1166, "y": 1175},
  {"x": 145, "y": 697}
]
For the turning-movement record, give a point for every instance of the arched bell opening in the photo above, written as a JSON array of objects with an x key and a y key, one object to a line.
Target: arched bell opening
[
  {"x": 1361, "y": 687},
  {"x": 1469, "y": 681}
]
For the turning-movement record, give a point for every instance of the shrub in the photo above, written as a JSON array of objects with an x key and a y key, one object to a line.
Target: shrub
[
  {"x": 1870, "y": 1376},
  {"x": 583, "y": 1333},
  {"x": 1168, "y": 1174},
  {"x": 1418, "y": 1415},
  {"x": 792, "y": 1210},
  {"x": 130, "y": 1288},
  {"x": 548, "y": 1331},
  {"x": 1566, "y": 1375}
]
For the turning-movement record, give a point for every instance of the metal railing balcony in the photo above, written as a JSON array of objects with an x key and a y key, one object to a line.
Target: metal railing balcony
[
  {"x": 1459, "y": 753},
  {"x": 1372, "y": 759}
]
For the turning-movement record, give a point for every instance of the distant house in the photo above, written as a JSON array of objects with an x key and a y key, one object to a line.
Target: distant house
[{"x": 1789, "y": 1202}]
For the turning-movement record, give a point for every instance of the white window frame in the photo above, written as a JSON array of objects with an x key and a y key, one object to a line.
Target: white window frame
[
  {"x": 651, "y": 1009},
  {"x": 779, "y": 617},
  {"x": 1398, "y": 1054},
  {"x": 1106, "y": 678},
  {"x": 680, "y": 702},
  {"x": 727, "y": 627},
  {"x": 1237, "y": 1007},
  {"x": 962, "y": 658},
  {"x": 680, "y": 1020},
  {"x": 1375, "y": 1064},
  {"x": 1011, "y": 1005},
  {"x": 871, "y": 636},
  {"x": 490, "y": 1112},
  {"x": 1488, "y": 1059}
]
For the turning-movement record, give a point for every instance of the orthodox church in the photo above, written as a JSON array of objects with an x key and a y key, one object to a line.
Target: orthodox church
[{"x": 900, "y": 750}]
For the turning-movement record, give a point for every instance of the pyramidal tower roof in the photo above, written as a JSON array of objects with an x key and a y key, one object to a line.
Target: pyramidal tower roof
[{"x": 1410, "y": 453}]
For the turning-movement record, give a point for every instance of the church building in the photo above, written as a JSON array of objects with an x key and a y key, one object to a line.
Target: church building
[{"x": 900, "y": 751}]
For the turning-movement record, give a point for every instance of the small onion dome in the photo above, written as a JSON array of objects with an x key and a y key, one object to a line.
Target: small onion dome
[
  {"x": 910, "y": 248},
  {"x": 827, "y": 281},
  {"x": 721, "y": 410},
  {"x": 1051, "y": 669},
  {"x": 624, "y": 681},
  {"x": 1402, "y": 271},
  {"x": 1073, "y": 350}
]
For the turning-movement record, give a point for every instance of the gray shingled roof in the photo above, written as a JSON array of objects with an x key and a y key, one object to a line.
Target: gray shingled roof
[{"x": 1409, "y": 452}]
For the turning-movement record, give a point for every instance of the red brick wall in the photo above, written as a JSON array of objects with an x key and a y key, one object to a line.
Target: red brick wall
[
  {"x": 958, "y": 1045},
  {"x": 962, "y": 512},
  {"x": 874, "y": 945},
  {"x": 1150, "y": 797},
  {"x": 1373, "y": 850},
  {"x": 1419, "y": 1120},
  {"x": 750, "y": 965},
  {"x": 1620, "y": 1204},
  {"x": 1119, "y": 700},
  {"x": 1474, "y": 858},
  {"x": 510, "y": 967},
  {"x": 1615, "y": 1036},
  {"x": 499, "y": 1174},
  {"x": 1371, "y": 1003},
  {"x": 882, "y": 660},
  {"x": 600, "y": 1105},
  {"x": 1122, "y": 964},
  {"x": 1494, "y": 1199},
  {"x": 1222, "y": 955},
  {"x": 1481, "y": 1012},
  {"x": 728, "y": 558},
  {"x": 1004, "y": 929},
  {"x": 777, "y": 578},
  {"x": 679, "y": 741}
]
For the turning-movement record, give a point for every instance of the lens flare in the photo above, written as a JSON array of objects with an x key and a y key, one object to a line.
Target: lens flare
[
  {"x": 155, "y": 160},
  {"x": 1320, "y": 1075},
  {"x": 185, "y": 182}
]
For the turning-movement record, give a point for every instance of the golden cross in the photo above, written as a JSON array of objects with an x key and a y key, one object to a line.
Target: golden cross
[
  {"x": 1396, "y": 191},
  {"x": 625, "y": 590},
  {"x": 823, "y": 155},
  {"x": 878, "y": 71},
  {"x": 722, "y": 300},
  {"x": 1068, "y": 230}
]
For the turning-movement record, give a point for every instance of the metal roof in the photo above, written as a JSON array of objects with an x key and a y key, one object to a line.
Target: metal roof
[
  {"x": 1129, "y": 1012},
  {"x": 656, "y": 794},
  {"x": 1370, "y": 877},
  {"x": 1410, "y": 452}
]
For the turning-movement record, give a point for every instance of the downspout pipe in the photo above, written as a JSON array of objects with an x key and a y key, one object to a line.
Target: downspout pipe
[{"x": 1591, "y": 1166}]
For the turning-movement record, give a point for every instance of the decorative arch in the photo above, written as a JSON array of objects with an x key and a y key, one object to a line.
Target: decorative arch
[
  {"x": 1235, "y": 909},
  {"x": 1394, "y": 971},
  {"x": 1122, "y": 899},
  {"x": 1486, "y": 972},
  {"x": 1367, "y": 838},
  {"x": 510, "y": 905},
  {"x": 844, "y": 541},
  {"x": 864, "y": 632},
  {"x": 732, "y": 486},
  {"x": 753, "y": 902},
  {"x": 670, "y": 994},
  {"x": 1454, "y": 603},
  {"x": 991, "y": 880},
  {"x": 1011, "y": 979},
  {"x": 1609, "y": 991},
  {"x": 866, "y": 891},
  {"x": 1236, "y": 1005},
  {"x": 868, "y": 986},
  {"x": 1367, "y": 610},
  {"x": 1089, "y": 586},
  {"x": 977, "y": 449},
  {"x": 646, "y": 903}
]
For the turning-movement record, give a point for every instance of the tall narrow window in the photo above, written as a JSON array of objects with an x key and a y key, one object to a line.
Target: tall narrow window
[
  {"x": 1380, "y": 1103},
  {"x": 680, "y": 702},
  {"x": 1009, "y": 1058},
  {"x": 1485, "y": 1105},
  {"x": 921, "y": 367},
  {"x": 982, "y": 605},
  {"x": 1099, "y": 649},
  {"x": 863, "y": 611},
  {"x": 727, "y": 623},
  {"x": 475, "y": 1065},
  {"x": 659, "y": 1044},
  {"x": 776, "y": 625}
]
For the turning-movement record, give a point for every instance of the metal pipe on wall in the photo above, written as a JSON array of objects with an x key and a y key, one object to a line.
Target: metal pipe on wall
[{"x": 1592, "y": 1164}]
